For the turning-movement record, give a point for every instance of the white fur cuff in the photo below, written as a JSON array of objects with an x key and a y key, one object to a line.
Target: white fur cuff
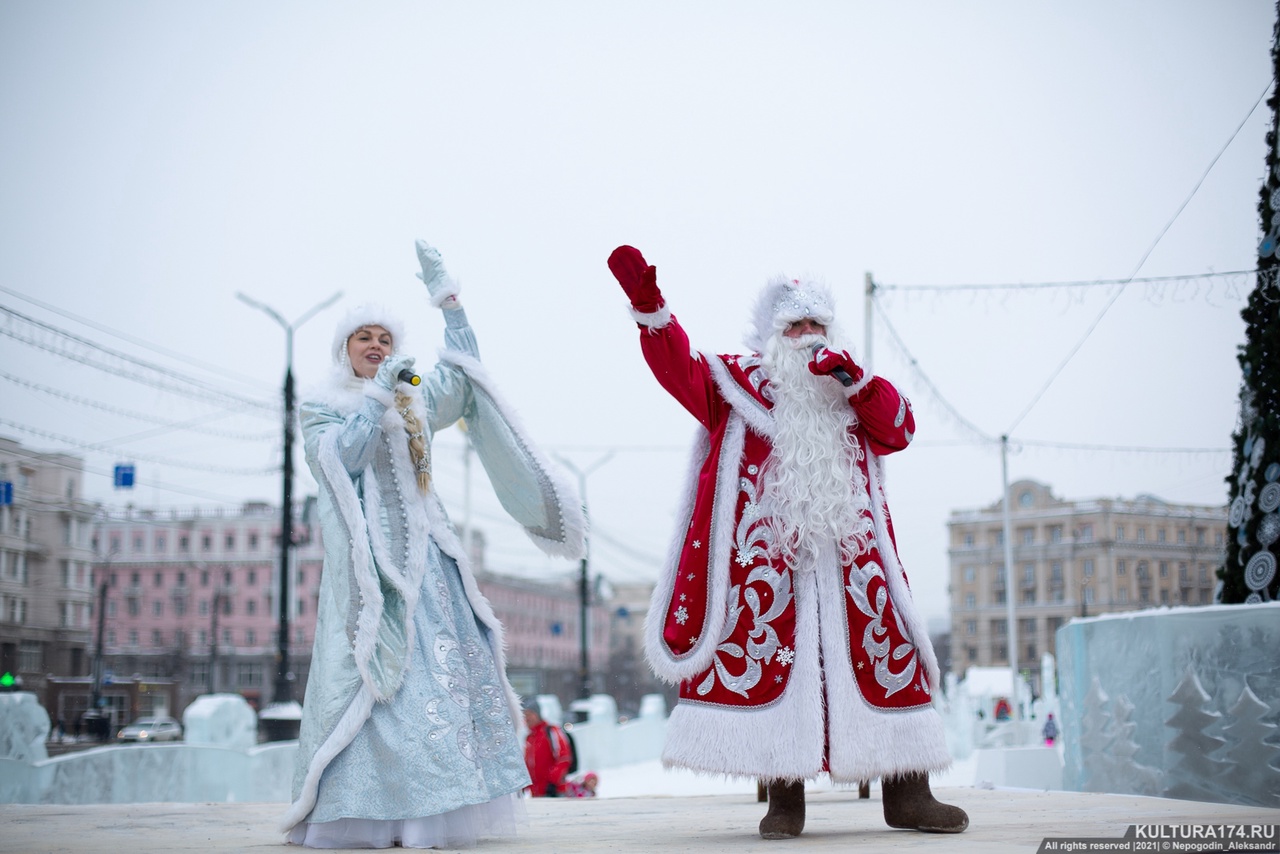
[
  {"x": 653, "y": 319},
  {"x": 446, "y": 289},
  {"x": 384, "y": 396},
  {"x": 855, "y": 389}
]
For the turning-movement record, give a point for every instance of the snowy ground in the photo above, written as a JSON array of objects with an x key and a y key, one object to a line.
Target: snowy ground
[{"x": 650, "y": 778}]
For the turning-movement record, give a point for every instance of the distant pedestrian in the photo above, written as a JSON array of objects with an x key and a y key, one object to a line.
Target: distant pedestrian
[
  {"x": 547, "y": 754},
  {"x": 584, "y": 788},
  {"x": 1050, "y": 731}
]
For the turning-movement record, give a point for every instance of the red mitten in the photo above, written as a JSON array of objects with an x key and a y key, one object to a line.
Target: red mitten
[
  {"x": 839, "y": 365},
  {"x": 638, "y": 279}
]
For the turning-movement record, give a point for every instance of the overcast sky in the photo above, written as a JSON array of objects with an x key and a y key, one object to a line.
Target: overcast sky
[{"x": 158, "y": 157}]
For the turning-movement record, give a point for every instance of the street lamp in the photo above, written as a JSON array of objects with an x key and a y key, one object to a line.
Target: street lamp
[
  {"x": 584, "y": 672},
  {"x": 283, "y": 687}
]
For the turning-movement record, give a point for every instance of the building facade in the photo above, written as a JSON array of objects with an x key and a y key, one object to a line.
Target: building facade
[
  {"x": 46, "y": 590},
  {"x": 1072, "y": 558}
]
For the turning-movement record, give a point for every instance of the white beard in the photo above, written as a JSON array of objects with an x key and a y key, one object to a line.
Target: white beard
[{"x": 814, "y": 489}]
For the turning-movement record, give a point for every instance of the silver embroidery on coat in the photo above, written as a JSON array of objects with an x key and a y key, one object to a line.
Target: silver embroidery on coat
[{"x": 875, "y": 640}]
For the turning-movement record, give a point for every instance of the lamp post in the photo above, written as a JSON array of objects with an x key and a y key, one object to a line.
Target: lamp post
[
  {"x": 584, "y": 671},
  {"x": 283, "y": 692}
]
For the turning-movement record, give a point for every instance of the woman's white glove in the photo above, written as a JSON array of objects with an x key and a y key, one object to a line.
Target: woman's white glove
[
  {"x": 441, "y": 287},
  {"x": 388, "y": 374}
]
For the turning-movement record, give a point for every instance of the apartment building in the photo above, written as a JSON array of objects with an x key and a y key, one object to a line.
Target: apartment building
[
  {"x": 46, "y": 592},
  {"x": 1070, "y": 559},
  {"x": 192, "y": 595}
]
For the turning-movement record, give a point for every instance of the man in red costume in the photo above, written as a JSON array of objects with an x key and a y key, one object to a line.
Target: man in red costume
[
  {"x": 547, "y": 754},
  {"x": 783, "y": 612}
]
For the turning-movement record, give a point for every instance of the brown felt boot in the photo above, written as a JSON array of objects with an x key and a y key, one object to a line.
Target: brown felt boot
[
  {"x": 909, "y": 805},
  {"x": 785, "y": 818}
]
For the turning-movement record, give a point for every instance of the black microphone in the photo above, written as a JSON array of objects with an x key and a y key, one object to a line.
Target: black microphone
[
  {"x": 839, "y": 373},
  {"x": 408, "y": 376}
]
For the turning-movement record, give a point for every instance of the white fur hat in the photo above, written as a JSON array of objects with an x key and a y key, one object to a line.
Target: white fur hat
[
  {"x": 368, "y": 314},
  {"x": 784, "y": 301}
]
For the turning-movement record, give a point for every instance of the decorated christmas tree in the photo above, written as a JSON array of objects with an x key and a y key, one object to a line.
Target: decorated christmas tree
[{"x": 1253, "y": 523}]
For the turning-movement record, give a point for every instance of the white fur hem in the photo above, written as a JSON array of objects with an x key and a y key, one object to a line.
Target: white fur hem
[
  {"x": 449, "y": 288},
  {"x": 857, "y": 387}
]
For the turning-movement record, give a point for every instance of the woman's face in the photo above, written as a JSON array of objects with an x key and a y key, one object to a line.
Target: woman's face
[{"x": 366, "y": 348}]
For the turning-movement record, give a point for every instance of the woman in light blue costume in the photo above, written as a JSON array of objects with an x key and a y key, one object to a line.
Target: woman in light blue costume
[{"x": 409, "y": 724}]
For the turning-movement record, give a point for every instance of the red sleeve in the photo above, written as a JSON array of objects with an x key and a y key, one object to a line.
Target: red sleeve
[
  {"x": 885, "y": 416},
  {"x": 684, "y": 374},
  {"x": 562, "y": 760}
]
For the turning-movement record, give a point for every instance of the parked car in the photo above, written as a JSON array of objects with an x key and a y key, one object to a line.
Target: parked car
[{"x": 151, "y": 729}]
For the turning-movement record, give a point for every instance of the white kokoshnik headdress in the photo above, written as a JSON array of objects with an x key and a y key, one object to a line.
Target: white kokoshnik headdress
[{"x": 782, "y": 302}]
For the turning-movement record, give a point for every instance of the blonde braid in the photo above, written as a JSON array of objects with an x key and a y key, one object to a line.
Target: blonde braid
[{"x": 419, "y": 451}]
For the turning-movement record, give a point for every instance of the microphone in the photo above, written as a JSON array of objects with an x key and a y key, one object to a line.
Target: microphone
[
  {"x": 839, "y": 373},
  {"x": 408, "y": 376}
]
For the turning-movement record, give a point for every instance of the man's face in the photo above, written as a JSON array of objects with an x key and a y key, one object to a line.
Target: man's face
[
  {"x": 804, "y": 326},
  {"x": 531, "y": 718}
]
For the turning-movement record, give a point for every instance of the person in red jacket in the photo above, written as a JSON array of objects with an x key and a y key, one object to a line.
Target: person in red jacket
[{"x": 547, "y": 754}]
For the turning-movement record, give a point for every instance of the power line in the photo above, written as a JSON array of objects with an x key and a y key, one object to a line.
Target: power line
[
  {"x": 139, "y": 416},
  {"x": 182, "y": 384},
  {"x": 1120, "y": 288},
  {"x": 93, "y": 446},
  {"x": 221, "y": 371}
]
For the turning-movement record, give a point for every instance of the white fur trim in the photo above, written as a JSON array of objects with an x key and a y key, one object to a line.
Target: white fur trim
[
  {"x": 773, "y": 311},
  {"x": 570, "y": 503},
  {"x": 343, "y": 732},
  {"x": 368, "y": 314},
  {"x": 780, "y": 741},
  {"x": 739, "y": 399},
  {"x": 852, "y": 390},
  {"x": 665, "y": 666},
  {"x": 652, "y": 319},
  {"x": 449, "y": 287},
  {"x": 916, "y": 629}
]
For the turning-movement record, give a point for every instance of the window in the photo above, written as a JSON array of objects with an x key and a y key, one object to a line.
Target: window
[
  {"x": 138, "y": 543},
  {"x": 1182, "y": 537},
  {"x": 182, "y": 578},
  {"x": 1119, "y": 533},
  {"x": 184, "y": 543},
  {"x": 1055, "y": 534},
  {"x": 230, "y": 542},
  {"x": 970, "y": 601},
  {"x": 1142, "y": 535},
  {"x": 1087, "y": 568},
  {"x": 302, "y": 577},
  {"x": 1143, "y": 571},
  {"x": 250, "y": 637},
  {"x": 204, "y": 578},
  {"x": 972, "y": 653},
  {"x": 1028, "y": 573},
  {"x": 135, "y": 579},
  {"x": 1164, "y": 597},
  {"x": 999, "y": 573},
  {"x": 997, "y": 538},
  {"x": 1027, "y": 626},
  {"x": 30, "y": 656},
  {"x": 302, "y": 606},
  {"x": 206, "y": 542},
  {"x": 157, "y": 608},
  {"x": 1159, "y": 535},
  {"x": 999, "y": 596},
  {"x": 133, "y": 606},
  {"x": 1217, "y": 539},
  {"x": 968, "y": 538},
  {"x": 180, "y": 606},
  {"x": 160, "y": 544},
  {"x": 1121, "y": 568},
  {"x": 1055, "y": 571},
  {"x": 1086, "y": 532},
  {"x": 970, "y": 627},
  {"x": 226, "y": 578},
  {"x": 158, "y": 581},
  {"x": 1164, "y": 569},
  {"x": 1027, "y": 536},
  {"x": 1144, "y": 596},
  {"x": 970, "y": 573},
  {"x": 157, "y": 638},
  {"x": 249, "y": 674},
  {"x": 1088, "y": 595},
  {"x": 1029, "y": 596},
  {"x": 133, "y": 637},
  {"x": 1122, "y": 595},
  {"x": 999, "y": 627},
  {"x": 251, "y": 607},
  {"x": 202, "y": 637},
  {"x": 252, "y": 578},
  {"x": 1026, "y": 499},
  {"x": 253, "y": 542},
  {"x": 204, "y": 607},
  {"x": 226, "y": 636}
]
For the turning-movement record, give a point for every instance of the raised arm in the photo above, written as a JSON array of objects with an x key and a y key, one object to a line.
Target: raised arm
[{"x": 678, "y": 368}]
